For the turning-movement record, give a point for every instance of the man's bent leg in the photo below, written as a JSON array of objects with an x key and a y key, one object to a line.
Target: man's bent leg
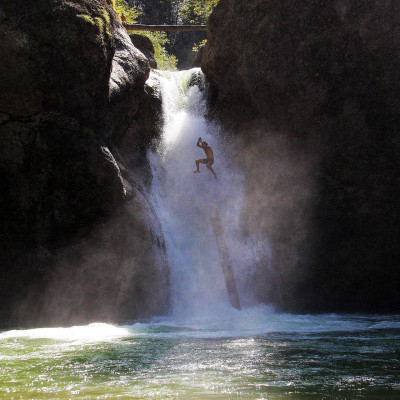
[{"x": 197, "y": 166}]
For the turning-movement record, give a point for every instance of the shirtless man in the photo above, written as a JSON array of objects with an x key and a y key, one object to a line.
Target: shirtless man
[{"x": 209, "y": 161}]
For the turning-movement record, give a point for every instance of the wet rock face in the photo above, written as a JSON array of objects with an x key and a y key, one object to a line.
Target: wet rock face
[
  {"x": 319, "y": 81},
  {"x": 71, "y": 82},
  {"x": 143, "y": 129},
  {"x": 129, "y": 72}
]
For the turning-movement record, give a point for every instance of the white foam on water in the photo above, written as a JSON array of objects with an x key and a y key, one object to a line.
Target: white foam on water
[
  {"x": 224, "y": 322},
  {"x": 96, "y": 332}
]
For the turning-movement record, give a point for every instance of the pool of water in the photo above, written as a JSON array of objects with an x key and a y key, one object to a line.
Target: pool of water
[{"x": 253, "y": 354}]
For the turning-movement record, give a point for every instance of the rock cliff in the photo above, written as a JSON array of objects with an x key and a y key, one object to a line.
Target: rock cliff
[
  {"x": 72, "y": 84},
  {"x": 312, "y": 90}
]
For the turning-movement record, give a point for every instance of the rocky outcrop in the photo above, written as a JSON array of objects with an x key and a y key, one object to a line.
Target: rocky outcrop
[
  {"x": 145, "y": 126},
  {"x": 312, "y": 89},
  {"x": 72, "y": 83},
  {"x": 144, "y": 44}
]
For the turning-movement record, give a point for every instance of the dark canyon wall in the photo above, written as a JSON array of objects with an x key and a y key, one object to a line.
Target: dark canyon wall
[
  {"x": 75, "y": 243},
  {"x": 312, "y": 89}
]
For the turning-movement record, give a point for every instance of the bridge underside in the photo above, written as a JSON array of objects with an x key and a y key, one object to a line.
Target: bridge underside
[{"x": 165, "y": 28}]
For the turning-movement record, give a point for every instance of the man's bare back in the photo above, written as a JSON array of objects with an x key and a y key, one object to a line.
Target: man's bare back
[{"x": 209, "y": 161}]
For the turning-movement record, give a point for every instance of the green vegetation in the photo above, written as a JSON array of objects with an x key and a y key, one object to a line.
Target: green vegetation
[
  {"x": 102, "y": 24},
  {"x": 165, "y": 61},
  {"x": 192, "y": 11},
  {"x": 106, "y": 16},
  {"x": 198, "y": 11},
  {"x": 86, "y": 18},
  {"x": 121, "y": 6},
  {"x": 198, "y": 46}
]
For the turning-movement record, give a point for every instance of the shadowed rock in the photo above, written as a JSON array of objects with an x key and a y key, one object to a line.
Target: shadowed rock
[
  {"x": 312, "y": 89},
  {"x": 71, "y": 82},
  {"x": 145, "y": 45}
]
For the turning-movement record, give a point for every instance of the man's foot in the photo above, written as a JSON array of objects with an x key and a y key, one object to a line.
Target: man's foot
[
  {"x": 196, "y": 172},
  {"x": 215, "y": 175}
]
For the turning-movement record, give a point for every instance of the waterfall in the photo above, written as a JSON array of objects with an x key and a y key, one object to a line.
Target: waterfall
[{"x": 186, "y": 202}]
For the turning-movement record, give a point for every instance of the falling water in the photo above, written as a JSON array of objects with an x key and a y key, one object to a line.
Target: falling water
[{"x": 186, "y": 202}]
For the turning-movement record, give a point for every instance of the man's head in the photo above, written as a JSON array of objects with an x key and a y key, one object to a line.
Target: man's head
[{"x": 205, "y": 143}]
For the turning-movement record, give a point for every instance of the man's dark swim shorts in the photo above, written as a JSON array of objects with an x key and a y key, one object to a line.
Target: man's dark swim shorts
[{"x": 208, "y": 161}]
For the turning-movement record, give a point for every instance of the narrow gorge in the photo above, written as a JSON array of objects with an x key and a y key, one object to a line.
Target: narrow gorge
[{"x": 123, "y": 274}]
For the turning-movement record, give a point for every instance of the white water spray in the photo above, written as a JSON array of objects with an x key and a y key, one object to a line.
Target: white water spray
[{"x": 185, "y": 203}]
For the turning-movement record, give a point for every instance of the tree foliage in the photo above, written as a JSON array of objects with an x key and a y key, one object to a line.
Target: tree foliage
[
  {"x": 121, "y": 6},
  {"x": 165, "y": 61},
  {"x": 159, "y": 39},
  {"x": 197, "y": 11},
  {"x": 192, "y": 11}
]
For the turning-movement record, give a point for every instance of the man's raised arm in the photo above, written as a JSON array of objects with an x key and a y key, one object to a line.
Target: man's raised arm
[{"x": 198, "y": 142}]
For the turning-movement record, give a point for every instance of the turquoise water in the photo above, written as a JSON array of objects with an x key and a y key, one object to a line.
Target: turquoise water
[{"x": 253, "y": 354}]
